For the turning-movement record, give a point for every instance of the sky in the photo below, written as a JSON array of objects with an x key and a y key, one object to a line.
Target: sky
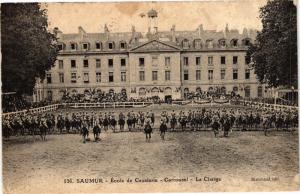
[{"x": 119, "y": 17}]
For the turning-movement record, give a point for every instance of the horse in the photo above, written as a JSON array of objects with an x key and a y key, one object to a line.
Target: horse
[
  {"x": 163, "y": 128},
  {"x": 148, "y": 131},
  {"x": 96, "y": 131},
  {"x": 84, "y": 133}
]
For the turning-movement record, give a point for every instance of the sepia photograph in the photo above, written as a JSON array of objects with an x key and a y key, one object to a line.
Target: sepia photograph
[{"x": 149, "y": 96}]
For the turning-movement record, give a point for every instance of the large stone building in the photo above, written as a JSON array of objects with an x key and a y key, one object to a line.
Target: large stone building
[{"x": 157, "y": 63}]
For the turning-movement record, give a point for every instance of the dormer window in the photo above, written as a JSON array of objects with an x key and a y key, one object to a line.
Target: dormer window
[
  {"x": 85, "y": 46},
  {"x": 73, "y": 46},
  {"x": 110, "y": 45},
  {"x": 246, "y": 42},
  {"x": 98, "y": 45},
  {"x": 60, "y": 47},
  {"x": 234, "y": 42},
  {"x": 222, "y": 43},
  {"x": 185, "y": 44},
  {"x": 210, "y": 44},
  {"x": 122, "y": 45},
  {"x": 198, "y": 44}
]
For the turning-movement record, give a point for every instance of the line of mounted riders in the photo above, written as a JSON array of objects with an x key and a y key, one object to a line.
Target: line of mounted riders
[{"x": 202, "y": 119}]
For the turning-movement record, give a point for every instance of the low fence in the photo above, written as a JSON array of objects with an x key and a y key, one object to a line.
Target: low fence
[
  {"x": 145, "y": 104},
  {"x": 263, "y": 105},
  {"x": 43, "y": 109},
  {"x": 107, "y": 105}
]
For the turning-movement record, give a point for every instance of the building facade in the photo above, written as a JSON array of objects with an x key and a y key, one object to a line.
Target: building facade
[{"x": 157, "y": 63}]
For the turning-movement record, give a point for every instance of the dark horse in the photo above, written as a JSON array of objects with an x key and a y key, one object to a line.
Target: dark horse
[
  {"x": 84, "y": 133},
  {"x": 148, "y": 131},
  {"x": 96, "y": 131}
]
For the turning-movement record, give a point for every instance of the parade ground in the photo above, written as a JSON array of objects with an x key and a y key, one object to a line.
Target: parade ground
[{"x": 120, "y": 162}]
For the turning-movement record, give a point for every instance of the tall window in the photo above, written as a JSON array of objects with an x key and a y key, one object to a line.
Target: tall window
[
  {"x": 259, "y": 91},
  {"x": 86, "y": 78},
  {"x": 73, "y": 78},
  {"x": 154, "y": 75},
  {"x": 61, "y": 78},
  {"x": 98, "y": 63},
  {"x": 98, "y": 77},
  {"x": 60, "y": 47},
  {"x": 222, "y": 73},
  {"x": 110, "y": 63},
  {"x": 185, "y": 61},
  {"x": 167, "y": 75},
  {"x": 142, "y": 62},
  {"x": 60, "y": 64},
  {"x": 167, "y": 61},
  {"x": 210, "y": 74},
  {"x": 235, "y": 74},
  {"x": 73, "y": 64},
  {"x": 247, "y": 74},
  {"x": 123, "y": 62},
  {"x": 49, "y": 78},
  {"x": 186, "y": 75},
  {"x": 85, "y": 63},
  {"x": 234, "y": 60},
  {"x": 142, "y": 75},
  {"x": 198, "y": 75},
  {"x": 123, "y": 76},
  {"x": 247, "y": 61},
  {"x": 247, "y": 91},
  {"x": 198, "y": 60},
  {"x": 223, "y": 60},
  {"x": 210, "y": 60},
  {"x": 111, "y": 77}
]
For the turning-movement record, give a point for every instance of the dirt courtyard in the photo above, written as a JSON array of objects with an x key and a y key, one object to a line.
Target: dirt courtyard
[{"x": 246, "y": 161}]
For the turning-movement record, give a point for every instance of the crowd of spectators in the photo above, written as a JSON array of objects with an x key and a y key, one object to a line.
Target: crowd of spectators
[{"x": 14, "y": 103}]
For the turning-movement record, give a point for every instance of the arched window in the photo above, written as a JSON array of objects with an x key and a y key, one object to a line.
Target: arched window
[
  {"x": 168, "y": 91},
  {"x": 259, "y": 91},
  {"x": 247, "y": 91},
  {"x": 185, "y": 44},
  {"x": 235, "y": 89},
  {"x": 234, "y": 43},
  {"x": 198, "y": 89},
  {"x": 222, "y": 43},
  {"x": 210, "y": 43},
  {"x": 210, "y": 89},
  {"x": 142, "y": 92},
  {"x": 99, "y": 91},
  {"x": 123, "y": 91},
  {"x": 111, "y": 91},
  {"x": 246, "y": 41},
  {"x": 74, "y": 91},
  {"x": 155, "y": 91},
  {"x": 86, "y": 91},
  {"x": 198, "y": 44},
  {"x": 223, "y": 90}
]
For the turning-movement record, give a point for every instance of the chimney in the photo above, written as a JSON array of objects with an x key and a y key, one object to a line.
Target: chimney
[
  {"x": 200, "y": 30},
  {"x": 106, "y": 31},
  {"x": 226, "y": 31},
  {"x": 173, "y": 33},
  {"x": 81, "y": 32}
]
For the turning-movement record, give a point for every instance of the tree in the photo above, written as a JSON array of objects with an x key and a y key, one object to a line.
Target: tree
[
  {"x": 274, "y": 54},
  {"x": 28, "y": 48}
]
